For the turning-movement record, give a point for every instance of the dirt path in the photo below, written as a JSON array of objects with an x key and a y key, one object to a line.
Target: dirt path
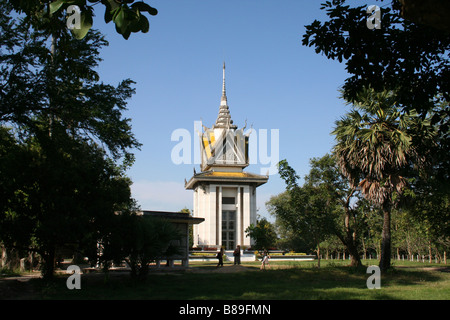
[
  {"x": 17, "y": 288},
  {"x": 21, "y": 288},
  {"x": 224, "y": 269}
]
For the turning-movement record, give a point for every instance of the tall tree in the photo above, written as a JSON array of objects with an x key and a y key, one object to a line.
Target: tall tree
[
  {"x": 429, "y": 193},
  {"x": 324, "y": 173},
  {"x": 52, "y": 78},
  {"x": 289, "y": 237},
  {"x": 310, "y": 210},
  {"x": 57, "y": 82},
  {"x": 57, "y": 194},
  {"x": 373, "y": 150},
  {"x": 65, "y": 143},
  {"x": 263, "y": 233},
  {"x": 331, "y": 195}
]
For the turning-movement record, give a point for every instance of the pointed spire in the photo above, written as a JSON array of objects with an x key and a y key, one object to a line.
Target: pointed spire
[
  {"x": 224, "y": 118},
  {"x": 223, "y": 100}
]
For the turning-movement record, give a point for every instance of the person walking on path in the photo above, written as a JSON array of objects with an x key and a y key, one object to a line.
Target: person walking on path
[
  {"x": 237, "y": 255},
  {"x": 265, "y": 260},
  {"x": 220, "y": 257}
]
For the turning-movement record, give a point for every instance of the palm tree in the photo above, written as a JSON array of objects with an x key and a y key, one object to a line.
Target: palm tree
[{"x": 374, "y": 147}]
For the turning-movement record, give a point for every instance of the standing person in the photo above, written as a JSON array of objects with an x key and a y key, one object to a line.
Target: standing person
[
  {"x": 237, "y": 255},
  {"x": 265, "y": 259},
  {"x": 220, "y": 257}
]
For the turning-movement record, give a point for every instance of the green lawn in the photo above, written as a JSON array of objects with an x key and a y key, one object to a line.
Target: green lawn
[{"x": 284, "y": 281}]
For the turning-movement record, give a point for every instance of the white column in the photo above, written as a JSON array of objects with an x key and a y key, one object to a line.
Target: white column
[
  {"x": 247, "y": 212},
  {"x": 211, "y": 221},
  {"x": 253, "y": 212},
  {"x": 238, "y": 217},
  {"x": 204, "y": 211},
  {"x": 195, "y": 214},
  {"x": 219, "y": 218}
]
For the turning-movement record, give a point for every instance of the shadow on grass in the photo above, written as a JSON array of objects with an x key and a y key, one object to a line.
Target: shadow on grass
[{"x": 287, "y": 283}]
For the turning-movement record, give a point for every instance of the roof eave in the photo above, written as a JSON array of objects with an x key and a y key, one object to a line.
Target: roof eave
[{"x": 190, "y": 185}]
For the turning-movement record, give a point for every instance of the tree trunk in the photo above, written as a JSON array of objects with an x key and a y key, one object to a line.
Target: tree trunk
[
  {"x": 49, "y": 264},
  {"x": 143, "y": 270},
  {"x": 385, "y": 260},
  {"x": 350, "y": 237},
  {"x": 318, "y": 256},
  {"x": 364, "y": 249},
  {"x": 438, "y": 256},
  {"x": 429, "y": 252},
  {"x": 356, "y": 260},
  {"x": 3, "y": 258}
]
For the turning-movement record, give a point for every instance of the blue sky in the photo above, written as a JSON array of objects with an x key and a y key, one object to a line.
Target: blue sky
[{"x": 272, "y": 81}]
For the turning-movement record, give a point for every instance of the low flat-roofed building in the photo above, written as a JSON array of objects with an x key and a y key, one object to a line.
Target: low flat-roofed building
[{"x": 181, "y": 221}]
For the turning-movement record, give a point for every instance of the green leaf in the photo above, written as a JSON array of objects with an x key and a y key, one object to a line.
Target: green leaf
[
  {"x": 111, "y": 8},
  {"x": 120, "y": 19},
  {"x": 55, "y": 5},
  {"x": 142, "y": 6},
  {"x": 86, "y": 23},
  {"x": 145, "y": 24},
  {"x": 108, "y": 15},
  {"x": 111, "y": 4}
]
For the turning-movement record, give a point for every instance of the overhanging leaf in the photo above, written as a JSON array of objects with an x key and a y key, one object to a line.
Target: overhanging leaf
[
  {"x": 120, "y": 20},
  {"x": 142, "y": 6},
  {"x": 145, "y": 24},
  {"x": 55, "y": 5},
  {"x": 86, "y": 23}
]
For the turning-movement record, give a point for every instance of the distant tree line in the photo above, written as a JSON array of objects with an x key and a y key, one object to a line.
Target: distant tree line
[{"x": 414, "y": 235}]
